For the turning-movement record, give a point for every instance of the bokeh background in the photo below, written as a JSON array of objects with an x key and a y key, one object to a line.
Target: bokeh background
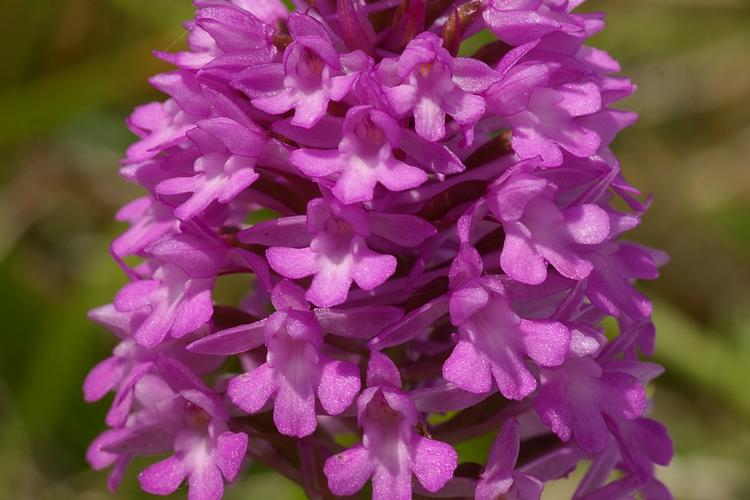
[{"x": 72, "y": 70}]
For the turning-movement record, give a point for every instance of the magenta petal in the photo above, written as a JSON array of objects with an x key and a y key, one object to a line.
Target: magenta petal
[
  {"x": 608, "y": 123},
  {"x": 553, "y": 411},
  {"x": 492, "y": 490},
  {"x": 326, "y": 135},
  {"x": 179, "y": 376},
  {"x": 382, "y": 371},
  {"x": 96, "y": 455},
  {"x": 371, "y": 269},
  {"x": 244, "y": 140},
  {"x": 360, "y": 322},
  {"x": 135, "y": 295},
  {"x": 512, "y": 95},
  {"x": 348, "y": 471},
  {"x": 339, "y": 86},
  {"x": 143, "y": 440},
  {"x": 251, "y": 391},
  {"x": 310, "y": 110},
  {"x": 179, "y": 185},
  {"x": 152, "y": 331},
  {"x": 642, "y": 442},
  {"x": 519, "y": 26},
  {"x": 444, "y": 398},
  {"x": 205, "y": 483},
  {"x": 230, "y": 453},
  {"x": 508, "y": 202},
  {"x": 357, "y": 30},
  {"x": 118, "y": 413},
  {"x": 429, "y": 119},
  {"x": 468, "y": 369},
  {"x": 197, "y": 255},
  {"x": 513, "y": 377},
  {"x": 118, "y": 472},
  {"x": 329, "y": 287},
  {"x": 433, "y": 463},
  {"x": 338, "y": 386},
  {"x": 519, "y": 259},
  {"x": 587, "y": 224},
  {"x": 292, "y": 263},
  {"x": 163, "y": 478},
  {"x": 294, "y": 407},
  {"x": 642, "y": 262},
  {"x": 276, "y": 104},
  {"x": 465, "y": 302},
  {"x": 433, "y": 156},
  {"x": 399, "y": 402},
  {"x": 355, "y": 185},
  {"x": 503, "y": 454},
  {"x": 630, "y": 399},
  {"x": 231, "y": 341},
  {"x": 402, "y": 98},
  {"x": 529, "y": 143},
  {"x": 580, "y": 99},
  {"x": 287, "y": 295},
  {"x": 282, "y": 232},
  {"x": 317, "y": 162},
  {"x": 527, "y": 487},
  {"x": 392, "y": 481},
  {"x": 201, "y": 199},
  {"x": 404, "y": 230},
  {"x": 546, "y": 342},
  {"x": 301, "y": 25},
  {"x": 589, "y": 429},
  {"x": 261, "y": 80},
  {"x": 465, "y": 108},
  {"x": 237, "y": 181},
  {"x": 412, "y": 325},
  {"x": 580, "y": 141},
  {"x": 473, "y": 75},
  {"x": 398, "y": 176},
  {"x": 122, "y": 404},
  {"x": 134, "y": 210},
  {"x": 102, "y": 378},
  {"x": 193, "y": 313}
]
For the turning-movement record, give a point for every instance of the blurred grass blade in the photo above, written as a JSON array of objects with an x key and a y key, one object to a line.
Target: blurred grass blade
[
  {"x": 701, "y": 359},
  {"x": 42, "y": 105}
]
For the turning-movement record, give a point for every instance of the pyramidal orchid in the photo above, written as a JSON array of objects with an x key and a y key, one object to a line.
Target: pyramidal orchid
[{"x": 429, "y": 237}]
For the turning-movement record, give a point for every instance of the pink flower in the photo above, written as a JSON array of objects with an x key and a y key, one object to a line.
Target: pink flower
[
  {"x": 392, "y": 449},
  {"x": 310, "y": 77},
  {"x": 174, "y": 304},
  {"x": 426, "y": 81},
  {"x": 205, "y": 452},
  {"x": 225, "y": 167},
  {"x": 296, "y": 372},
  {"x": 575, "y": 399},
  {"x": 537, "y": 232},
  {"x": 499, "y": 479},
  {"x": 337, "y": 256},
  {"x": 363, "y": 159},
  {"x": 494, "y": 342}
]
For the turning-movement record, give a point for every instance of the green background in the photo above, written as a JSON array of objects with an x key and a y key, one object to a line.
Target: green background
[{"x": 72, "y": 70}]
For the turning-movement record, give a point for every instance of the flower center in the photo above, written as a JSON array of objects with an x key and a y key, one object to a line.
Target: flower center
[
  {"x": 310, "y": 64},
  {"x": 195, "y": 417},
  {"x": 370, "y": 132}
]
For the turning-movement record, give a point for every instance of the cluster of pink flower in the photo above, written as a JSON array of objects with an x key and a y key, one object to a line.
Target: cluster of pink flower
[{"x": 445, "y": 227}]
